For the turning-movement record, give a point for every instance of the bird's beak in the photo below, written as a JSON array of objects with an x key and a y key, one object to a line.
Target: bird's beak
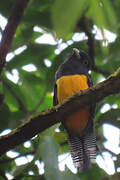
[{"x": 76, "y": 52}]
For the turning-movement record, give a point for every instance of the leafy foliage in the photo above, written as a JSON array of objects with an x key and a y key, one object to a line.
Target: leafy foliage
[{"x": 33, "y": 91}]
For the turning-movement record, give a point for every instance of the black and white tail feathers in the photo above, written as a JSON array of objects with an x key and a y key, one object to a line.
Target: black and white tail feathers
[{"x": 83, "y": 150}]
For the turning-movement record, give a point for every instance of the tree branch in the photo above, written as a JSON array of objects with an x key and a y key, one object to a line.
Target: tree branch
[
  {"x": 86, "y": 25},
  {"x": 10, "y": 29},
  {"x": 40, "y": 102},
  {"x": 44, "y": 120}
]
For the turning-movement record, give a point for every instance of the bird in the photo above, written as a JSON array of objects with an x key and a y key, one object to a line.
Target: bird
[{"x": 71, "y": 77}]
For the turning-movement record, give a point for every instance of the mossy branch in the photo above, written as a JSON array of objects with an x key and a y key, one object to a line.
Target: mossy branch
[{"x": 46, "y": 119}]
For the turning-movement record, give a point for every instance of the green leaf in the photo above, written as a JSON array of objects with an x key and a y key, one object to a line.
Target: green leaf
[
  {"x": 20, "y": 169},
  {"x": 49, "y": 156},
  {"x": 15, "y": 119},
  {"x": 31, "y": 84},
  {"x": 60, "y": 136},
  {"x": 68, "y": 175},
  {"x": 33, "y": 177},
  {"x": 112, "y": 116},
  {"x": 12, "y": 91},
  {"x": 5, "y": 7},
  {"x": 109, "y": 14},
  {"x": 39, "y": 18},
  {"x": 10, "y": 100},
  {"x": 48, "y": 101},
  {"x": 4, "y": 116},
  {"x": 65, "y": 14},
  {"x": 24, "y": 35},
  {"x": 24, "y": 168},
  {"x": 103, "y": 14},
  {"x": 35, "y": 54},
  {"x": 95, "y": 173},
  {"x": 96, "y": 12}
]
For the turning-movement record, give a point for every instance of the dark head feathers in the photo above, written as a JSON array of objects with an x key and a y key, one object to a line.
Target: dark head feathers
[{"x": 80, "y": 54}]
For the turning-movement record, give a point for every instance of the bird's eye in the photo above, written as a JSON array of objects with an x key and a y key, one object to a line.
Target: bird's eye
[{"x": 85, "y": 62}]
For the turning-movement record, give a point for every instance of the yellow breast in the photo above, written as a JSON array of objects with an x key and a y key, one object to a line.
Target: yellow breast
[{"x": 66, "y": 87}]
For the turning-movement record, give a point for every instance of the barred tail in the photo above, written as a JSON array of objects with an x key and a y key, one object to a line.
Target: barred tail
[{"x": 83, "y": 150}]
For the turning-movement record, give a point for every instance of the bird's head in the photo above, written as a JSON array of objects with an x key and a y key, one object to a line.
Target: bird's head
[{"x": 82, "y": 58}]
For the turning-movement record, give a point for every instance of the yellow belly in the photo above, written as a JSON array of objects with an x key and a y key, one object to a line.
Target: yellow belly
[{"x": 66, "y": 87}]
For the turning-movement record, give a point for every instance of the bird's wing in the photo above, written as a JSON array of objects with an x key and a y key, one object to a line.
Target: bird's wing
[{"x": 55, "y": 100}]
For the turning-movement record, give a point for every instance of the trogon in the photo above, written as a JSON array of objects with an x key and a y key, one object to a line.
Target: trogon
[{"x": 71, "y": 77}]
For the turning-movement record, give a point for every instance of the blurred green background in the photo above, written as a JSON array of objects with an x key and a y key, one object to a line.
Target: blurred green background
[{"x": 44, "y": 38}]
